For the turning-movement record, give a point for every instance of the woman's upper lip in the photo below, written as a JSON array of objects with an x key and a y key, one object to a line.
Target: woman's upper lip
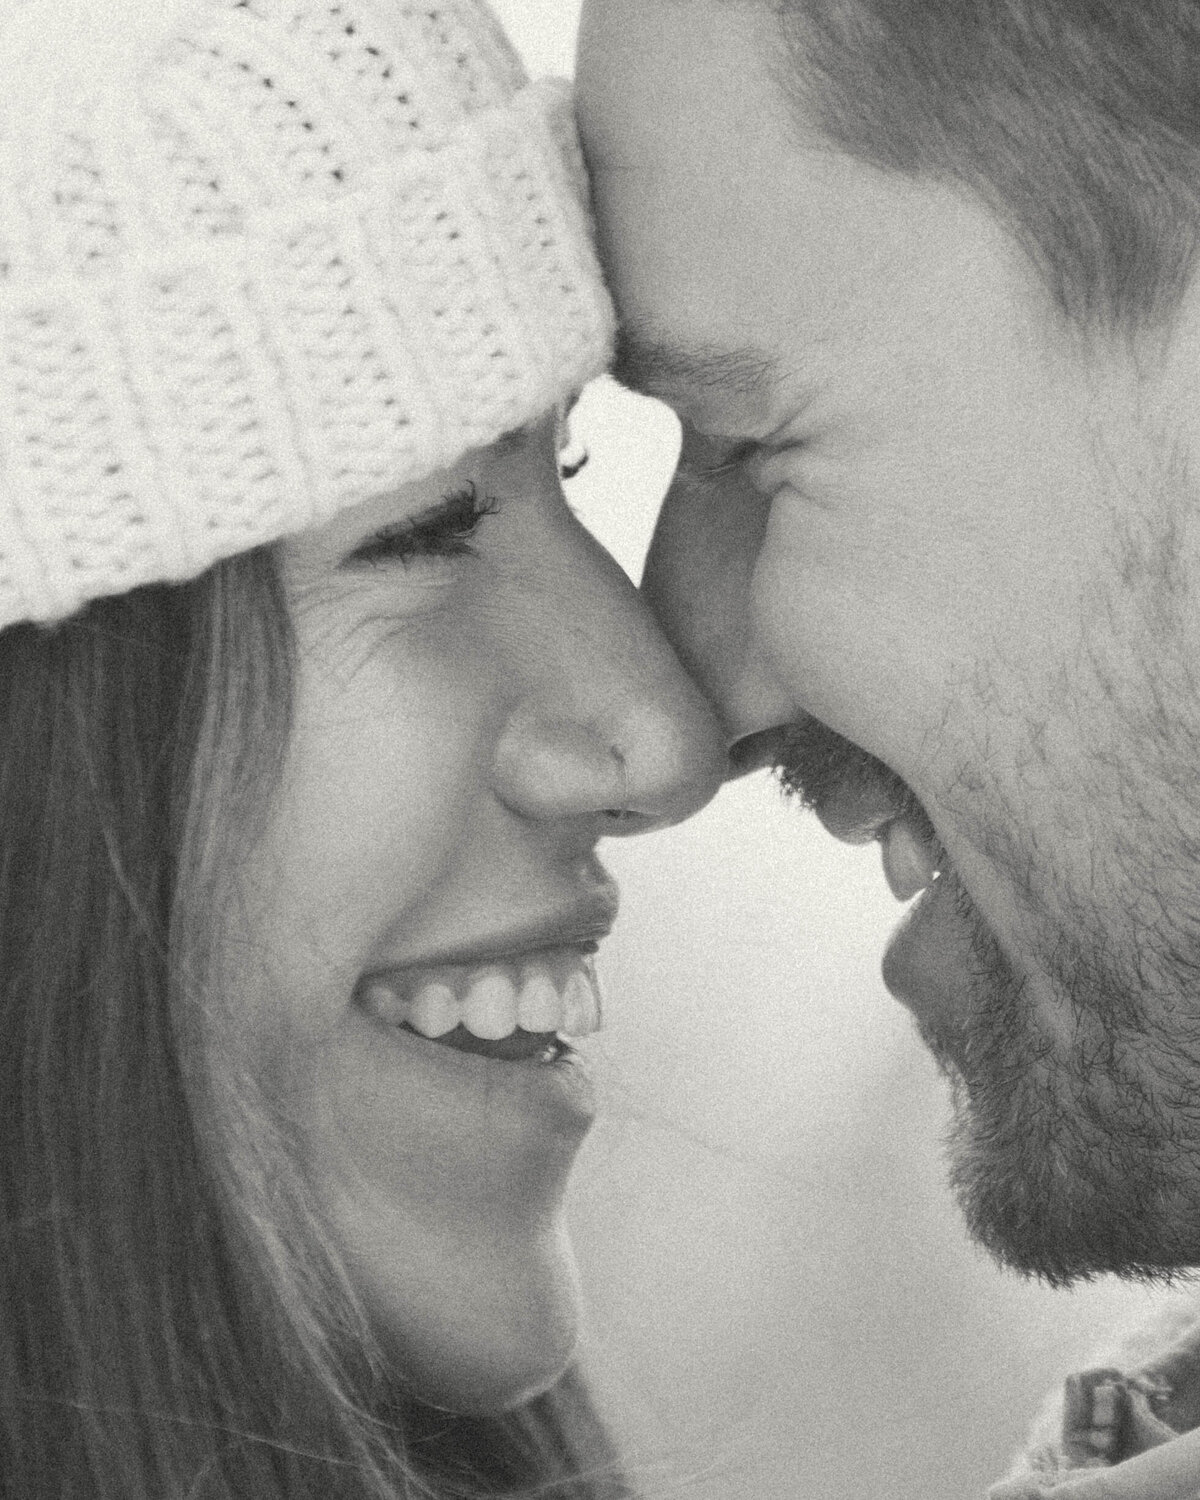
[{"x": 581, "y": 925}]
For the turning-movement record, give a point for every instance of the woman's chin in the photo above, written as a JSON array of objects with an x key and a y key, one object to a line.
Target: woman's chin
[
  {"x": 492, "y": 1341},
  {"x": 479, "y": 1386},
  {"x": 480, "y": 1381}
]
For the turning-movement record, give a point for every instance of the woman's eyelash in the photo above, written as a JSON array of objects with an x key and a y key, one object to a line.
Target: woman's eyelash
[{"x": 445, "y": 530}]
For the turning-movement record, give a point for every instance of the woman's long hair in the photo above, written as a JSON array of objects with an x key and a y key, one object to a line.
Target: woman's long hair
[{"x": 174, "y": 1324}]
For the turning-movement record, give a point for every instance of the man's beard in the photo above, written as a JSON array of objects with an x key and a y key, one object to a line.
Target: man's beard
[
  {"x": 1069, "y": 1159},
  {"x": 1070, "y": 1162}
]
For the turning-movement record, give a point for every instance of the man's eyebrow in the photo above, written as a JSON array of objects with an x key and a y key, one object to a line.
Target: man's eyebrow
[{"x": 651, "y": 365}]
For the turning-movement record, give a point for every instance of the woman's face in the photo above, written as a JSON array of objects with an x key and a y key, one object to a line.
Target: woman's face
[{"x": 479, "y": 691}]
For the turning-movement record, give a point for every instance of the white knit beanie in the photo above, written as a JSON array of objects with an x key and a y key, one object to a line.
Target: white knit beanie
[{"x": 260, "y": 260}]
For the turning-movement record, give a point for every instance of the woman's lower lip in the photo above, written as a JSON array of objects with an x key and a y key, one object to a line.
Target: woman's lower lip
[
  {"x": 529, "y": 1047},
  {"x": 561, "y": 1088}
]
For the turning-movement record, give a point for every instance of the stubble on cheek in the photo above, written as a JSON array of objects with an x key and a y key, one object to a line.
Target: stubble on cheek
[
  {"x": 1070, "y": 1051},
  {"x": 1069, "y": 1154},
  {"x": 1075, "y": 1051}
]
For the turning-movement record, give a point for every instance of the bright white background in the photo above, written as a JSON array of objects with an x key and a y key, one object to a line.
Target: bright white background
[{"x": 783, "y": 1303}]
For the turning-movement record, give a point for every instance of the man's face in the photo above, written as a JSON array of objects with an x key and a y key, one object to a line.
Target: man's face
[{"x": 941, "y": 559}]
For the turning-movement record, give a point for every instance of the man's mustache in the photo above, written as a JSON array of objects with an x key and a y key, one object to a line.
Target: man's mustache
[{"x": 826, "y": 771}]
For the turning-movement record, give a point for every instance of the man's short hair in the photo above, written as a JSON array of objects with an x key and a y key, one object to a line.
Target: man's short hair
[{"x": 1077, "y": 121}]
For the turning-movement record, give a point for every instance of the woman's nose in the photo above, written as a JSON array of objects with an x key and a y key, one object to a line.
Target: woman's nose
[{"x": 607, "y": 725}]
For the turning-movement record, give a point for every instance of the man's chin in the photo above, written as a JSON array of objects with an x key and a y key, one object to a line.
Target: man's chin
[
  {"x": 1064, "y": 1164},
  {"x": 1039, "y": 1227},
  {"x": 1064, "y": 1178},
  {"x": 1071, "y": 1154}
]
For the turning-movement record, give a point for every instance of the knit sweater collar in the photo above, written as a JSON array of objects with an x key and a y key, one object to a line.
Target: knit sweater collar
[{"x": 1126, "y": 1432}]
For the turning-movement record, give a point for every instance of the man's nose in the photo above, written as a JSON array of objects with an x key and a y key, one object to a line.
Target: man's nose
[
  {"x": 699, "y": 582},
  {"x": 607, "y": 726}
]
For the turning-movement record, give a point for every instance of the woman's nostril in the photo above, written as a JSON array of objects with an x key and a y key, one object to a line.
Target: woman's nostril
[
  {"x": 623, "y": 818},
  {"x": 621, "y": 812}
]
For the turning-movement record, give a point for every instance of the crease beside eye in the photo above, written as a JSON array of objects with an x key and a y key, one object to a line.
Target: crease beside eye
[{"x": 694, "y": 471}]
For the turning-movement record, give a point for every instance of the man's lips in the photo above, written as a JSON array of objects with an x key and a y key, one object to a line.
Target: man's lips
[
  {"x": 913, "y": 857},
  {"x": 911, "y": 860},
  {"x": 928, "y": 963},
  {"x": 856, "y": 797},
  {"x": 858, "y": 811}
]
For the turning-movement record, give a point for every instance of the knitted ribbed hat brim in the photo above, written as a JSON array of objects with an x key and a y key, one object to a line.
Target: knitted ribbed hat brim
[{"x": 301, "y": 255}]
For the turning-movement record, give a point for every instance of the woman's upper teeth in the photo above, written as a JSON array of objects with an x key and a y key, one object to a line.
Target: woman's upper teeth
[
  {"x": 432, "y": 1011},
  {"x": 555, "y": 992}
]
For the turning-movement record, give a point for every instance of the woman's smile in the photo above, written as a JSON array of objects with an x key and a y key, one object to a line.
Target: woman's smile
[
  {"x": 513, "y": 1006},
  {"x": 520, "y": 997},
  {"x": 292, "y": 1099},
  {"x": 500, "y": 1031},
  {"x": 531, "y": 980},
  {"x": 478, "y": 688}
]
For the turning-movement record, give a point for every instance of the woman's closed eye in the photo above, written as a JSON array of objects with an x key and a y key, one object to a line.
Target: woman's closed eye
[{"x": 443, "y": 532}]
